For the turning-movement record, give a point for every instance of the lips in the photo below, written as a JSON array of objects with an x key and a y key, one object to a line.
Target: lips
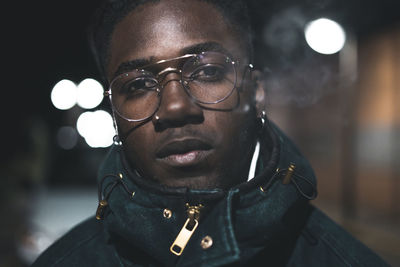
[
  {"x": 182, "y": 147},
  {"x": 184, "y": 152}
]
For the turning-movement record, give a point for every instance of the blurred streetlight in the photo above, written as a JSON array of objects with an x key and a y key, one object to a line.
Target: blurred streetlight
[
  {"x": 90, "y": 94},
  {"x": 64, "y": 93},
  {"x": 96, "y": 127},
  {"x": 325, "y": 36}
]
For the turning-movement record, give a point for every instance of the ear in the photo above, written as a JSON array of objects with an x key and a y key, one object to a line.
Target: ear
[{"x": 259, "y": 92}]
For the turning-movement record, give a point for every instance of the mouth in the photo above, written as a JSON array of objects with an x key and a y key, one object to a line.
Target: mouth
[{"x": 182, "y": 153}]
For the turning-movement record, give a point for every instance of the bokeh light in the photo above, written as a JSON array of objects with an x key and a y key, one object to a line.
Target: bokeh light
[
  {"x": 96, "y": 127},
  {"x": 64, "y": 94},
  {"x": 90, "y": 93},
  {"x": 325, "y": 36},
  {"x": 67, "y": 137}
]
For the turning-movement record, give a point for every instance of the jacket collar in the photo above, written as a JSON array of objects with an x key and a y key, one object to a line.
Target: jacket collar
[{"x": 250, "y": 217}]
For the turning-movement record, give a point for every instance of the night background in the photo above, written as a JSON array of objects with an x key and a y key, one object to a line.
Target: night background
[{"x": 346, "y": 120}]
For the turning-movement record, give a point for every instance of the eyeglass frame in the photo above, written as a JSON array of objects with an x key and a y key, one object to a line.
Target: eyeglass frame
[{"x": 108, "y": 93}]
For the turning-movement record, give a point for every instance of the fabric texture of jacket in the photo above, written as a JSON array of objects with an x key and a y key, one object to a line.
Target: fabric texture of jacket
[{"x": 266, "y": 221}]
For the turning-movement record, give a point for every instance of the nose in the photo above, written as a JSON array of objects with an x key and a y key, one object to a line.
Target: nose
[{"x": 176, "y": 108}]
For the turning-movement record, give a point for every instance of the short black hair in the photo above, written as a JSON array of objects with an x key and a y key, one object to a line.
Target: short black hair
[{"x": 111, "y": 12}]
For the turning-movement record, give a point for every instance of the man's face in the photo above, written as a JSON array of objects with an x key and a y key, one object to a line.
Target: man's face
[{"x": 191, "y": 145}]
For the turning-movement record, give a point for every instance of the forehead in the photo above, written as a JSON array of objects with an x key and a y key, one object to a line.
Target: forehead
[{"x": 165, "y": 29}]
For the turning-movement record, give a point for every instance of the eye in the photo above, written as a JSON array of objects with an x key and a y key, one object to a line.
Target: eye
[
  {"x": 208, "y": 73},
  {"x": 138, "y": 86}
]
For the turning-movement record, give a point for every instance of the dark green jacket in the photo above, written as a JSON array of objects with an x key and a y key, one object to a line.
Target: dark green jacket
[{"x": 267, "y": 221}]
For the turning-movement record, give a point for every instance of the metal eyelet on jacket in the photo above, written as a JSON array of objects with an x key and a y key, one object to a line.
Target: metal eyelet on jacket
[
  {"x": 167, "y": 213},
  {"x": 206, "y": 242}
]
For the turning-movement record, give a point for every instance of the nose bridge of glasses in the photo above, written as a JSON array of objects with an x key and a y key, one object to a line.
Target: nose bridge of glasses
[
  {"x": 174, "y": 96},
  {"x": 168, "y": 75}
]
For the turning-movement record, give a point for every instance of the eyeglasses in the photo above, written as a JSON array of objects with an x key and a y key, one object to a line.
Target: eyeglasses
[{"x": 208, "y": 78}]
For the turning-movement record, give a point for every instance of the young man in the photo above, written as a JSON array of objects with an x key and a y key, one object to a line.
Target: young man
[{"x": 197, "y": 176}]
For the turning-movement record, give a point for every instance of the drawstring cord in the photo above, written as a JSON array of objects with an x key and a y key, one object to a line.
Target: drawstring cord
[
  {"x": 103, "y": 203},
  {"x": 290, "y": 176},
  {"x": 314, "y": 192}
]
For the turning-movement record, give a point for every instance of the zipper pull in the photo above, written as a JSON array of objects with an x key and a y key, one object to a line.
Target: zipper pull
[{"x": 187, "y": 230}]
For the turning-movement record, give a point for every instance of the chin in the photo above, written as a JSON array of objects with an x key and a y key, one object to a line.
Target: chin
[
  {"x": 206, "y": 182},
  {"x": 192, "y": 182}
]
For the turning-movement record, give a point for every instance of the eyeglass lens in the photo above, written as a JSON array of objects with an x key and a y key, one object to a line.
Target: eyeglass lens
[{"x": 209, "y": 78}]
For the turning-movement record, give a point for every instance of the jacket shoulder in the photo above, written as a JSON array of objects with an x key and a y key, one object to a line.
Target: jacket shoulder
[
  {"x": 324, "y": 243},
  {"x": 85, "y": 243}
]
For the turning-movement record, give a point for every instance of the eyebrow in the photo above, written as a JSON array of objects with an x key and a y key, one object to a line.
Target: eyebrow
[
  {"x": 204, "y": 47},
  {"x": 193, "y": 49},
  {"x": 132, "y": 64}
]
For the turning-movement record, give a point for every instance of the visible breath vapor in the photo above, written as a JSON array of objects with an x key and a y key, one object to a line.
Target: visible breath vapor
[{"x": 294, "y": 74}]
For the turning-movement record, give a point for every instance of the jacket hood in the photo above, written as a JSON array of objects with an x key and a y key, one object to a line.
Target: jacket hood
[{"x": 265, "y": 213}]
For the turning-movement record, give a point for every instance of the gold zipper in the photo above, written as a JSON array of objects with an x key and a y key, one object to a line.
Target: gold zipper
[{"x": 187, "y": 230}]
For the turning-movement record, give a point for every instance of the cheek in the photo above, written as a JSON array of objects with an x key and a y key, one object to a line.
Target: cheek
[
  {"x": 235, "y": 128},
  {"x": 137, "y": 139}
]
